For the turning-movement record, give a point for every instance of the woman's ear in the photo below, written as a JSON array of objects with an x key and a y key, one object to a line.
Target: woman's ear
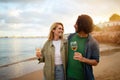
[{"x": 53, "y": 30}]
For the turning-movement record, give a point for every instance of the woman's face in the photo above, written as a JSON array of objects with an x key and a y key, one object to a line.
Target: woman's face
[{"x": 58, "y": 31}]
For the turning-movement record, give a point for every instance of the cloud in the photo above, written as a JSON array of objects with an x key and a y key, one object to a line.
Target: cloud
[
  {"x": 21, "y": 1},
  {"x": 36, "y": 16}
]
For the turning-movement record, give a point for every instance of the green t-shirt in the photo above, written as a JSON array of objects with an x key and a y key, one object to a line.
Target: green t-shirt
[{"x": 75, "y": 67}]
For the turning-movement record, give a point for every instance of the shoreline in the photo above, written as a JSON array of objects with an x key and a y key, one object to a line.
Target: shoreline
[
  {"x": 107, "y": 69},
  {"x": 7, "y": 65},
  {"x": 19, "y": 69},
  {"x": 29, "y": 67},
  {"x": 103, "y": 50}
]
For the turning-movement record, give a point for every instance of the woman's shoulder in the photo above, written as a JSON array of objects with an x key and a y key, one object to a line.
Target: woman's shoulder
[{"x": 47, "y": 42}]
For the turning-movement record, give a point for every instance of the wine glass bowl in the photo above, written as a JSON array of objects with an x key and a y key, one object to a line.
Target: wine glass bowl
[
  {"x": 38, "y": 54},
  {"x": 73, "y": 45}
]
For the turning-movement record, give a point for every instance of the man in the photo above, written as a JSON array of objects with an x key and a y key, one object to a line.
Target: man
[{"x": 83, "y": 51}]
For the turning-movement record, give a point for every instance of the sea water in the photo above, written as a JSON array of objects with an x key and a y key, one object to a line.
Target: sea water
[
  {"x": 17, "y": 49},
  {"x": 14, "y": 50}
]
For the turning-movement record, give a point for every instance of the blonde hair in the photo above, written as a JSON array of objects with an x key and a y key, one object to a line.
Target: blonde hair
[{"x": 51, "y": 34}]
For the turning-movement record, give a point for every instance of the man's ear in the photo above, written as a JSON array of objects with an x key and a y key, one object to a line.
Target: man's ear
[{"x": 76, "y": 28}]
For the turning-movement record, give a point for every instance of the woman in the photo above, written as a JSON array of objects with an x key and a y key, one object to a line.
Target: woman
[{"x": 54, "y": 54}]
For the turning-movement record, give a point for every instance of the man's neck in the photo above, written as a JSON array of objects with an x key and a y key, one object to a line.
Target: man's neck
[{"x": 82, "y": 34}]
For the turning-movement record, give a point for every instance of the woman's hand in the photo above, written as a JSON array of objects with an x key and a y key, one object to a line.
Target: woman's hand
[{"x": 38, "y": 53}]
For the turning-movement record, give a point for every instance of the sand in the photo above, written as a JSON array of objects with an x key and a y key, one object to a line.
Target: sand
[
  {"x": 37, "y": 75},
  {"x": 107, "y": 69}
]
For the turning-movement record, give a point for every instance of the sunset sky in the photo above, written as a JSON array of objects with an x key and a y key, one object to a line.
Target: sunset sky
[{"x": 34, "y": 17}]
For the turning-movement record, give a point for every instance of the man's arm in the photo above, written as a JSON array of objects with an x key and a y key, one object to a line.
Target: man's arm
[{"x": 78, "y": 56}]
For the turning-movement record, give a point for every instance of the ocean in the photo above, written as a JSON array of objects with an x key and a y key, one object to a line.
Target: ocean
[{"x": 17, "y": 49}]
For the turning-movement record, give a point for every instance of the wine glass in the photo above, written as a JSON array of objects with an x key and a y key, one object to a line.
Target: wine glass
[
  {"x": 38, "y": 52},
  {"x": 73, "y": 45}
]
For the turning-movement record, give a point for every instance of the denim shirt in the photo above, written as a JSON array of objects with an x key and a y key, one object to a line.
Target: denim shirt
[{"x": 91, "y": 52}]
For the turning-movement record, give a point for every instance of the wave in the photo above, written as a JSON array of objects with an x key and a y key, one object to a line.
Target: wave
[
  {"x": 11, "y": 58},
  {"x": 30, "y": 59}
]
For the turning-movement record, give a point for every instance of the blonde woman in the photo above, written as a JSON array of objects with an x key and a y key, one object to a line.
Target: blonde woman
[{"x": 54, "y": 54}]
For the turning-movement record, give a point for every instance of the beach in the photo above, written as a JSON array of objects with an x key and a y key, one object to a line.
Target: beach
[{"x": 107, "y": 69}]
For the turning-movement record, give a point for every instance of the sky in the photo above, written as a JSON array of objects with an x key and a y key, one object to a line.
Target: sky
[{"x": 34, "y": 17}]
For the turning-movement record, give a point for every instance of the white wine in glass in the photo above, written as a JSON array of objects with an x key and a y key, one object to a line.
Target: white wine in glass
[
  {"x": 73, "y": 45},
  {"x": 38, "y": 51}
]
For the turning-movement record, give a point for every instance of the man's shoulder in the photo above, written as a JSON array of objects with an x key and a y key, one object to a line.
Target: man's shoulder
[
  {"x": 71, "y": 35},
  {"x": 92, "y": 40}
]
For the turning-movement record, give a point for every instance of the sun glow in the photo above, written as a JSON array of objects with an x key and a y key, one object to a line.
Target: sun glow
[{"x": 98, "y": 20}]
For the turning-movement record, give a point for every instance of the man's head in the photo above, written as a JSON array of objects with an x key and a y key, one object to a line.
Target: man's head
[{"x": 84, "y": 23}]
